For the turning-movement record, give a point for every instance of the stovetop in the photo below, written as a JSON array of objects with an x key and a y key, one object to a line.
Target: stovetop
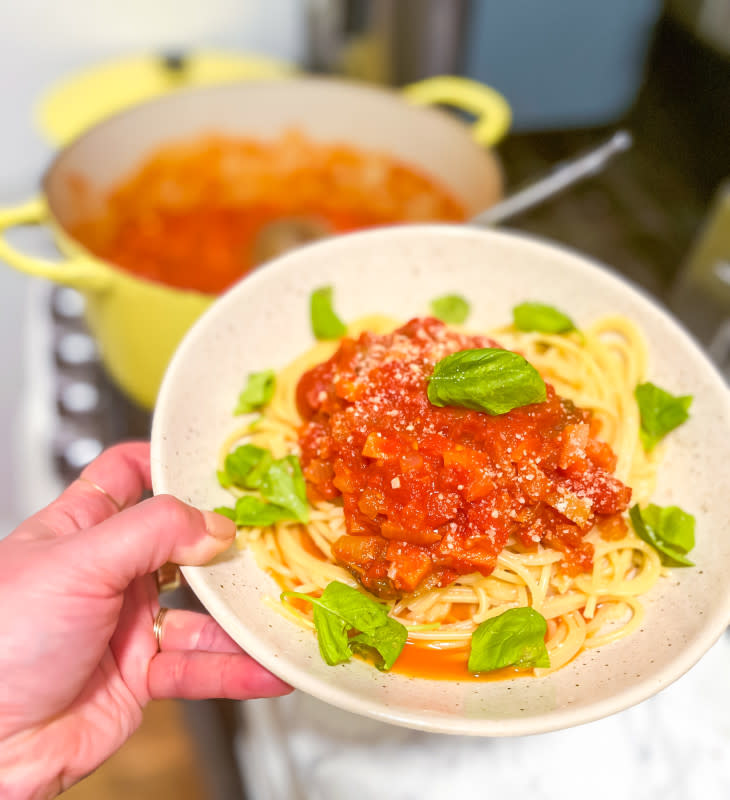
[{"x": 90, "y": 412}]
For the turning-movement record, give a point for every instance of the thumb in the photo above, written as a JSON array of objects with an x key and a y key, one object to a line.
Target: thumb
[{"x": 142, "y": 538}]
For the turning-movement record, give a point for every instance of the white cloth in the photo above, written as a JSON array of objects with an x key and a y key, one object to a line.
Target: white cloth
[{"x": 674, "y": 746}]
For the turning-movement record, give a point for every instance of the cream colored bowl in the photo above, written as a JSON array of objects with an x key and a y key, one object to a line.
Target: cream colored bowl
[{"x": 263, "y": 322}]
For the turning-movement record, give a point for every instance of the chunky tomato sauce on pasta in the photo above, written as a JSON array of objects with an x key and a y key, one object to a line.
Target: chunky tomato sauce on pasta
[{"x": 432, "y": 493}]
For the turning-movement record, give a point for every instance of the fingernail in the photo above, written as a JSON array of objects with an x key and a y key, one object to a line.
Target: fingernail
[{"x": 219, "y": 526}]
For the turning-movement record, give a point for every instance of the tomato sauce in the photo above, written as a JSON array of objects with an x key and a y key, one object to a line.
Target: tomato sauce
[
  {"x": 431, "y": 493},
  {"x": 442, "y": 664},
  {"x": 195, "y": 215}
]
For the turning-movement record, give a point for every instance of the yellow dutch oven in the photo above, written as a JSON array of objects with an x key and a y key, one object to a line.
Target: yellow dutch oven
[{"x": 138, "y": 323}]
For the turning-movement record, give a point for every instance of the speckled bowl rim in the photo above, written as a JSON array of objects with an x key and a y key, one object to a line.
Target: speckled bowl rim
[{"x": 203, "y": 582}]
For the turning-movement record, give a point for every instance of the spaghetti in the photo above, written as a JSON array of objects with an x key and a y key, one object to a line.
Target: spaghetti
[{"x": 587, "y": 600}]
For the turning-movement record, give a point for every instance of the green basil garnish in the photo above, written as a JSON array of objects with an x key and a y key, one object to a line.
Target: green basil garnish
[
  {"x": 359, "y": 611},
  {"x": 341, "y": 611},
  {"x": 255, "y": 477},
  {"x": 542, "y": 318},
  {"x": 487, "y": 379},
  {"x": 661, "y": 412},
  {"x": 244, "y": 467},
  {"x": 516, "y": 638},
  {"x": 388, "y": 641},
  {"x": 669, "y": 530},
  {"x": 279, "y": 481},
  {"x": 451, "y": 308},
  {"x": 283, "y": 485},
  {"x": 223, "y": 479},
  {"x": 258, "y": 391},
  {"x": 325, "y": 323},
  {"x": 332, "y": 638},
  {"x": 253, "y": 512}
]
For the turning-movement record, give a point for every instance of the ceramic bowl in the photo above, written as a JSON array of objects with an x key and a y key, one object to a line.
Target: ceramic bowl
[{"x": 263, "y": 322}]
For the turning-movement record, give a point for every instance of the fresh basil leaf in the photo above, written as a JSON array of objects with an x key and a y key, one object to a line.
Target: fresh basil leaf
[
  {"x": 332, "y": 638},
  {"x": 370, "y": 618},
  {"x": 357, "y": 613},
  {"x": 300, "y": 486},
  {"x": 539, "y": 317},
  {"x": 325, "y": 323},
  {"x": 280, "y": 482},
  {"x": 239, "y": 465},
  {"x": 360, "y": 611},
  {"x": 514, "y": 638},
  {"x": 332, "y": 630},
  {"x": 388, "y": 640},
  {"x": 226, "y": 511},
  {"x": 673, "y": 525},
  {"x": 258, "y": 391},
  {"x": 255, "y": 477},
  {"x": 488, "y": 379},
  {"x": 451, "y": 308},
  {"x": 253, "y": 512},
  {"x": 283, "y": 485},
  {"x": 669, "y": 530},
  {"x": 660, "y": 411}
]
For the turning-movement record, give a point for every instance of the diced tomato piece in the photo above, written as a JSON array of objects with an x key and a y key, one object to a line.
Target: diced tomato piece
[
  {"x": 435, "y": 444},
  {"x": 418, "y": 536},
  {"x": 312, "y": 385},
  {"x": 385, "y": 446},
  {"x": 532, "y": 533},
  {"x": 344, "y": 479},
  {"x": 533, "y": 481},
  {"x": 613, "y": 527},
  {"x": 601, "y": 454},
  {"x": 409, "y": 565},
  {"x": 478, "y": 486},
  {"x": 349, "y": 390},
  {"x": 319, "y": 471},
  {"x": 476, "y": 468},
  {"x": 411, "y": 461},
  {"x": 576, "y": 508},
  {"x": 372, "y": 503},
  {"x": 578, "y": 555},
  {"x": 479, "y": 554},
  {"x": 606, "y": 492},
  {"x": 573, "y": 450},
  {"x": 359, "y": 551},
  {"x": 441, "y": 507}
]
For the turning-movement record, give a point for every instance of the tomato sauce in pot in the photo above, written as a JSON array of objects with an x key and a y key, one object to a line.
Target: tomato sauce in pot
[{"x": 200, "y": 215}]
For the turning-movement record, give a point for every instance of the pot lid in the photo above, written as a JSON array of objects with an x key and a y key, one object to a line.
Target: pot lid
[{"x": 80, "y": 101}]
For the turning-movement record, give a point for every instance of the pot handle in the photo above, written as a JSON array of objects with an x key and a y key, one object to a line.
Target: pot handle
[
  {"x": 78, "y": 271},
  {"x": 492, "y": 111}
]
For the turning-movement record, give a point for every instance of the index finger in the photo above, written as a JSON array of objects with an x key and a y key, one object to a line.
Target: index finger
[{"x": 115, "y": 480}]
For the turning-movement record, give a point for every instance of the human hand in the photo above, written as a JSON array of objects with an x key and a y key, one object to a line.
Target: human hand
[{"x": 78, "y": 656}]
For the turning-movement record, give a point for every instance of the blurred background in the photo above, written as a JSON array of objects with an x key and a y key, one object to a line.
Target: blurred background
[{"x": 572, "y": 72}]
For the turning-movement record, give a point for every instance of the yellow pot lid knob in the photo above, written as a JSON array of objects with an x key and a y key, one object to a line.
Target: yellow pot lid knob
[{"x": 79, "y": 102}]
